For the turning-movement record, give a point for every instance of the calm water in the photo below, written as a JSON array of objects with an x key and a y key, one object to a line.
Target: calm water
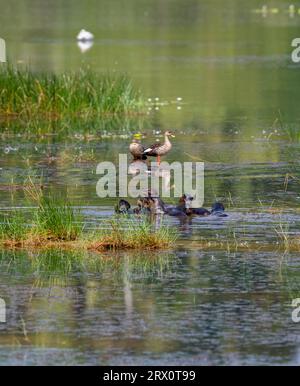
[{"x": 239, "y": 113}]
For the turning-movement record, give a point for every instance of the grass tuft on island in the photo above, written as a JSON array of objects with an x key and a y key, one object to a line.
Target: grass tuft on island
[
  {"x": 55, "y": 223},
  {"x": 84, "y": 94}
]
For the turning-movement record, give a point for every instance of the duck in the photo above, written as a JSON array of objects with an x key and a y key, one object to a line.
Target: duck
[
  {"x": 188, "y": 200},
  {"x": 136, "y": 148},
  {"x": 158, "y": 207},
  {"x": 218, "y": 209},
  {"x": 123, "y": 207},
  {"x": 157, "y": 150}
]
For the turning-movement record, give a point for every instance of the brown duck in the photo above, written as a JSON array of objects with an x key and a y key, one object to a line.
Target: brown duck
[
  {"x": 158, "y": 149},
  {"x": 136, "y": 148}
]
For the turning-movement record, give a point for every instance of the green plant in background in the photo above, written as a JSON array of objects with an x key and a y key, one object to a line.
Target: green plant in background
[{"x": 81, "y": 94}]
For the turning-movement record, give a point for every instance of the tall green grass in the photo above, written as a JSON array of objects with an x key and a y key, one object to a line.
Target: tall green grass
[
  {"x": 82, "y": 94},
  {"x": 54, "y": 222},
  {"x": 12, "y": 226},
  {"x": 129, "y": 233},
  {"x": 57, "y": 219}
]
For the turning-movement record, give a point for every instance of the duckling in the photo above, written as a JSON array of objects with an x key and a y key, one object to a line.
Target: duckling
[
  {"x": 157, "y": 150},
  {"x": 171, "y": 210},
  {"x": 156, "y": 205},
  {"x": 188, "y": 200},
  {"x": 144, "y": 206},
  {"x": 136, "y": 148},
  {"x": 218, "y": 209},
  {"x": 123, "y": 207}
]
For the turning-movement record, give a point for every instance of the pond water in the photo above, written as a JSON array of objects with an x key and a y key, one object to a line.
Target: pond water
[{"x": 222, "y": 78}]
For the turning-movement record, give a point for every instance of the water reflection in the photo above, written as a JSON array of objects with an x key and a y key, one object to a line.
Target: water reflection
[
  {"x": 85, "y": 45},
  {"x": 207, "y": 309}
]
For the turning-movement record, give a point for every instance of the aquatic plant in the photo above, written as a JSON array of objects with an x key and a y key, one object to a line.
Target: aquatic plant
[
  {"x": 12, "y": 226},
  {"x": 55, "y": 222},
  {"x": 292, "y": 132},
  {"x": 132, "y": 234},
  {"x": 83, "y": 93},
  {"x": 56, "y": 219}
]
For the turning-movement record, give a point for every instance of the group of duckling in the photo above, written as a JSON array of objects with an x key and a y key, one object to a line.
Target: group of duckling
[{"x": 155, "y": 206}]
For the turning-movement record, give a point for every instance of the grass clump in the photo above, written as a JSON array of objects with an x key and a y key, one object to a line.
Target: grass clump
[
  {"x": 130, "y": 234},
  {"x": 56, "y": 219},
  {"x": 55, "y": 223},
  {"x": 12, "y": 226},
  {"x": 83, "y": 93}
]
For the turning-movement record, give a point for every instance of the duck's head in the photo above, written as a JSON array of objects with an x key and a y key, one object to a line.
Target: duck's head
[
  {"x": 187, "y": 199},
  {"x": 170, "y": 133},
  {"x": 124, "y": 205},
  {"x": 137, "y": 137},
  {"x": 144, "y": 202}
]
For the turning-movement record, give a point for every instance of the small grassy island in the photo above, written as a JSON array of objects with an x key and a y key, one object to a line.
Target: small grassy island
[{"x": 55, "y": 223}]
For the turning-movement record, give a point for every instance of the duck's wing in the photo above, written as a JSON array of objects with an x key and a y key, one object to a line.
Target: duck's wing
[
  {"x": 201, "y": 211},
  {"x": 151, "y": 150}
]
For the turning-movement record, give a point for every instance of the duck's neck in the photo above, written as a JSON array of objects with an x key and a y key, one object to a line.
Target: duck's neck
[{"x": 167, "y": 141}]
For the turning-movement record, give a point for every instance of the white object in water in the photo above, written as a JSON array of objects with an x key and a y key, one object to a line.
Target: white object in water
[
  {"x": 85, "y": 35},
  {"x": 2, "y": 51}
]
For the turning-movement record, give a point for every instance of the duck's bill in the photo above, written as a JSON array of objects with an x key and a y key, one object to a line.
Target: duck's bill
[{"x": 173, "y": 135}]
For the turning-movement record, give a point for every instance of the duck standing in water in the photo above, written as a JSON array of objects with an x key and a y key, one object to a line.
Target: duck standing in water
[
  {"x": 157, "y": 150},
  {"x": 136, "y": 148}
]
